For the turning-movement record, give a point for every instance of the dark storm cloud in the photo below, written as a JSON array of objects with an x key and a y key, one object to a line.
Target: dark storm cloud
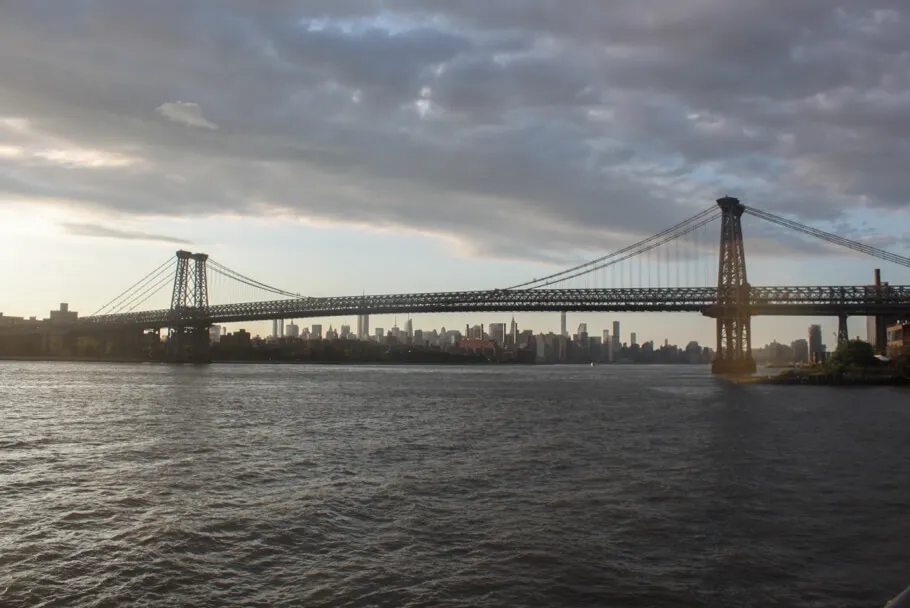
[
  {"x": 505, "y": 124},
  {"x": 94, "y": 230}
]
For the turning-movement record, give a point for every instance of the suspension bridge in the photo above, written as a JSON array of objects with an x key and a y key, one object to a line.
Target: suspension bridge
[{"x": 652, "y": 275}]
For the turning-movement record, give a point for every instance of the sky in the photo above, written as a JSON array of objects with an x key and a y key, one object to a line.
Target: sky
[{"x": 334, "y": 147}]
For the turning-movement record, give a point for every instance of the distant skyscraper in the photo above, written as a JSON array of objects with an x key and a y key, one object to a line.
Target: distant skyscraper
[
  {"x": 292, "y": 330},
  {"x": 581, "y": 337},
  {"x": 275, "y": 328},
  {"x": 498, "y": 333},
  {"x": 816, "y": 348},
  {"x": 634, "y": 339},
  {"x": 616, "y": 342},
  {"x": 363, "y": 327},
  {"x": 513, "y": 330},
  {"x": 380, "y": 333},
  {"x": 563, "y": 329},
  {"x": 409, "y": 328},
  {"x": 316, "y": 332}
]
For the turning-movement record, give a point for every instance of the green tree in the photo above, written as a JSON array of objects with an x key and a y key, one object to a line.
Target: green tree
[{"x": 853, "y": 353}]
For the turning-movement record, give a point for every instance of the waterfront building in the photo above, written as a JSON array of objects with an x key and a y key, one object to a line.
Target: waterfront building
[{"x": 898, "y": 339}]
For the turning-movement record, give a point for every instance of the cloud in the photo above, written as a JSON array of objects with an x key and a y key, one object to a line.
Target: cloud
[
  {"x": 94, "y": 230},
  {"x": 186, "y": 113},
  {"x": 509, "y": 127}
]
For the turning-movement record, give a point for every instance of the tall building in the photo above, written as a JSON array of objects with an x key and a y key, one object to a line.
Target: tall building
[
  {"x": 409, "y": 328},
  {"x": 316, "y": 332},
  {"x": 498, "y": 333},
  {"x": 634, "y": 339},
  {"x": 581, "y": 337},
  {"x": 363, "y": 327},
  {"x": 380, "y": 333},
  {"x": 345, "y": 332},
  {"x": 816, "y": 348},
  {"x": 616, "y": 343},
  {"x": 800, "y": 349},
  {"x": 292, "y": 330},
  {"x": 513, "y": 330},
  {"x": 607, "y": 347},
  {"x": 563, "y": 330},
  {"x": 274, "y": 328}
]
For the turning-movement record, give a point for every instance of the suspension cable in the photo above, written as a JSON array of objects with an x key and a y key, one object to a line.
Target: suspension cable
[
  {"x": 829, "y": 237},
  {"x": 141, "y": 281},
  {"x": 670, "y": 237},
  {"x": 164, "y": 276},
  {"x": 251, "y": 283},
  {"x": 233, "y": 274},
  {"x": 622, "y": 251},
  {"x": 151, "y": 291}
]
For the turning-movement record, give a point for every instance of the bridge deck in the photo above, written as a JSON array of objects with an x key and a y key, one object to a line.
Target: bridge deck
[{"x": 797, "y": 300}]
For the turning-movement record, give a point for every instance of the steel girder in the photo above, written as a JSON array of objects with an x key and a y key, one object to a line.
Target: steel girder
[{"x": 830, "y": 300}]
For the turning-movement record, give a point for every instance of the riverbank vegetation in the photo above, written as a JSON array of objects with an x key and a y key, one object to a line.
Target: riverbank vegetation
[{"x": 853, "y": 363}]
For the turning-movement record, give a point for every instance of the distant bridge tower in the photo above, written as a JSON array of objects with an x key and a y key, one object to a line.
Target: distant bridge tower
[
  {"x": 188, "y": 337},
  {"x": 179, "y": 298},
  {"x": 734, "y": 323}
]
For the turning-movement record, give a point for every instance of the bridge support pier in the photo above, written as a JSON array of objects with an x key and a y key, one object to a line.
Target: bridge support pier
[
  {"x": 843, "y": 335},
  {"x": 189, "y": 345}
]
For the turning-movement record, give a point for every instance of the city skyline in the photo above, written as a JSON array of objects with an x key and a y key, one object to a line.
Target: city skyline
[
  {"x": 694, "y": 326},
  {"x": 480, "y": 158}
]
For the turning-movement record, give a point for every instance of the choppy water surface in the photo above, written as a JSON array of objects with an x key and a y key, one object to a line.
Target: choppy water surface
[{"x": 155, "y": 485}]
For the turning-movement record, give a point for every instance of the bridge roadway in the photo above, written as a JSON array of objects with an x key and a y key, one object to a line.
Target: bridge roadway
[{"x": 782, "y": 301}]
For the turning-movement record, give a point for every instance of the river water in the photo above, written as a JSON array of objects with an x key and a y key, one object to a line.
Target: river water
[{"x": 287, "y": 485}]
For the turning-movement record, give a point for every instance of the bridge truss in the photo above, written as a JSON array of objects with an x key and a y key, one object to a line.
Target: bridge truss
[{"x": 800, "y": 300}]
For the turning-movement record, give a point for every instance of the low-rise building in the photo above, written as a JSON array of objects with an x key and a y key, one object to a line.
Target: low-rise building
[{"x": 898, "y": 339}]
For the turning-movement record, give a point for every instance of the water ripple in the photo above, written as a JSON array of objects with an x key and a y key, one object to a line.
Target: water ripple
[{"x": 156, "y": 485}]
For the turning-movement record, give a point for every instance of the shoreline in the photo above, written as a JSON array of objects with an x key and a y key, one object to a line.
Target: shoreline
[{"x": 46, "y": 359}]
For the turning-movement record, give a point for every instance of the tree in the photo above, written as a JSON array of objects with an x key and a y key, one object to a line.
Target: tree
[
  {"x": 853, "y": 353},
  {"x": 902, "y": 363}
]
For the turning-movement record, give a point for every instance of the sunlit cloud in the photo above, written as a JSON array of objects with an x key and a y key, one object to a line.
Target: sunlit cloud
[{"x": 186, "y": 113}]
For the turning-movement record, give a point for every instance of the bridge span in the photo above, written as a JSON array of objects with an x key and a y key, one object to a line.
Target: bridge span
[{"x": 779, "y": 301}]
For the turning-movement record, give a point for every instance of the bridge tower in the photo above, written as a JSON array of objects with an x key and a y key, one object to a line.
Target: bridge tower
[
  {"x": 188, "y": 334},
  {"x": 179, "y": 297},
  {"x": 734, "y": 323}
]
